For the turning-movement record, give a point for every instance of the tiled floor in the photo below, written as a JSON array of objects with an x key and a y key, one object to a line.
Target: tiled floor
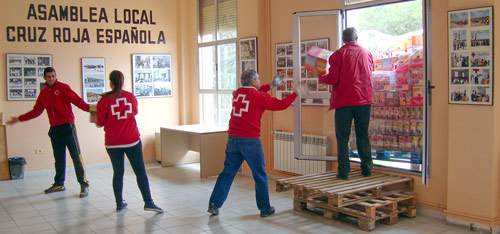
[{"x": 184, "y": 197}]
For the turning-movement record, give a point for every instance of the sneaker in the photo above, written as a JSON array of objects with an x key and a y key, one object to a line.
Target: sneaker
[
  {"x": 84, "y": 192},
  {"x": 55, "y": 188},
  {"x": 152, "y": 207},
  {"x": 121, "y": 206},
  {"x": 342, "y": 177},
  {"x": 212, "y": 209},
  {"x": 268, "y": 212}
]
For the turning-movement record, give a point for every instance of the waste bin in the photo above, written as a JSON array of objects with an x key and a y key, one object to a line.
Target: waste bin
[{"x": 16, "y": 166}]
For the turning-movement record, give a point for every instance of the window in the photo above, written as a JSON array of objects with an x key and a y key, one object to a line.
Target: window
[
  {"x": 217, "y": 60},
  {"x": 398, "y": 119}
]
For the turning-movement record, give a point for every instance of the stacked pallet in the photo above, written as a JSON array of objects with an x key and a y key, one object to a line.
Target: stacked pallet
[{"x": 368, "y": 199}]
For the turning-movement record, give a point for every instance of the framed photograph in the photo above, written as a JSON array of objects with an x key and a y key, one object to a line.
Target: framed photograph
[
  {"x": 152, "y": 75},
  {"x": 284, "y": 67},
  {"x": 25, "y": 75},
  {"x": 470, "y": 48},
  {"x": 93, "y": 78},
  {"x": 248, "y": 54}
]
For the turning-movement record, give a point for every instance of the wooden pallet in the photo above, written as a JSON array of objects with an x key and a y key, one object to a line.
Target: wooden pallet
[
  {"x": 345, "y": 192},
  {"x": 386, "y": 209},
  {"x": 368, "y": 199}
]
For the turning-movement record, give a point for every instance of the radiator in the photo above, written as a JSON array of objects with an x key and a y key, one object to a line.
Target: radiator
[{"x": 284, "y": 159}]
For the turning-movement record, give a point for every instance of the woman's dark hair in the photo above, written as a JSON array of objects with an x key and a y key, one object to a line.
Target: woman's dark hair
[{"x": 116, "y": 78}]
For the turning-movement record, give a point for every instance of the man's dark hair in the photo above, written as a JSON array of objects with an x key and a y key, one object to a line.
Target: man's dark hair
[
  {"x": 349, "y": 34},
  {"x": 247, "y": 77},
  {"x": 48, "y": 69}
]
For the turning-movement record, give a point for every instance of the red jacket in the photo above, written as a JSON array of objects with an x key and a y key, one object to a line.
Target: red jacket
[
  {"x": 57, "y": 101},
  {"x": 248, "y": 106},
  {"x": 350, "y": 76},
  {"x": 117, "y": 115}
]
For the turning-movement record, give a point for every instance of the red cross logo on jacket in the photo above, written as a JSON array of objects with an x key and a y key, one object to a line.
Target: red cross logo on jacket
[
  {"x": 121, "y": 108},
  {"x": 239, "y": 107}
]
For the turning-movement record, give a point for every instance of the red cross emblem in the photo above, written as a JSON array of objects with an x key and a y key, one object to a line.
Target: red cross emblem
[
  {"x": 121, "y": 108},
  {"x": 240, "y": 106}
]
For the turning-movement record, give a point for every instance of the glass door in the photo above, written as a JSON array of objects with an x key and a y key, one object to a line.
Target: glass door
[
  {"x": 394, "y": 33},
  {"x": 311, "y": 113}
]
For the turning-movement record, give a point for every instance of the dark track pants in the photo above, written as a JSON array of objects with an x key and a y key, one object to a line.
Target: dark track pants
[
  {"x": 343, "y": 121},
  {"x": 63, "y": 136}
]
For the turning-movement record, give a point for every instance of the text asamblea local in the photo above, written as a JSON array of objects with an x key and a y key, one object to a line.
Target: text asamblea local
[{"x": 90, "y": 14}]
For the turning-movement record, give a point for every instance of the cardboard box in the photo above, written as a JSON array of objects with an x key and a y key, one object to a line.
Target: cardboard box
[
  {"x": 317, "y": 58},
  {"x": 378, "y": 65},
  {"x": 386, "y": 64},
  {"x": 93, "y": 114}
]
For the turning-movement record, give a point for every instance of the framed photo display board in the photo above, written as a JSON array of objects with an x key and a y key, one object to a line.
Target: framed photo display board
[
  {"x": 93, "y": 78},
  {"x": 25, "y": 75},
  {"x": 284, "y": 67},
  {"x": 152, "y": 75},
  {"x": 248, "y": 54},
  {"x": 470, "y": 46}
]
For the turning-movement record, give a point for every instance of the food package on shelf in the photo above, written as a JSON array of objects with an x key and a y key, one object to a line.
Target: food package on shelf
[
  {"x": 392, "y": 98},
  {"x": 402, "y": 142},
  {"x": 413, "y": 127},
  {"x": 420, "y": 127},
  {"x": 402, "y": 75},
  {"x": 379, "y": 98},
  {"x": 406, "y": 128},
  {"x": 387, "y": 64},
  {"x": 381, "y": 80},
  {"x": 404, "y": 98},
  {"x": 417, "y": 76},
  {"x": 417, "y": 40},
  {"x": 416, "y": 157},
  {"x": 374, "y": 112},
  {"x": 417, "y": 95},
  {"x": 378, "y": 65},
  {"x": 394, "y": 141},
  {"x": 388, "y": 127},
  {"x": 400, "y": 61},
  {"x": 398, "y": 127},
  {"x": 387, "y": 141}
]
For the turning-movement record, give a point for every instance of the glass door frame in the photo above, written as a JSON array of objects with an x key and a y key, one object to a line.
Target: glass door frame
[
  {"x": 297, "y": 108},
  {"x": 342, "y": 23}
]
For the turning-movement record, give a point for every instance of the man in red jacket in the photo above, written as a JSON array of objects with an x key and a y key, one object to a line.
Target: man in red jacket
[
  {"x": 352, "y": 95},
  {"x": 249, "y": 103},
  {"x": 56, "y": 98}
]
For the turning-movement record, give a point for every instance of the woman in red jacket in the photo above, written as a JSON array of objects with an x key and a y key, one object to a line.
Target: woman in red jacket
[{"x": 116, "y": 112}]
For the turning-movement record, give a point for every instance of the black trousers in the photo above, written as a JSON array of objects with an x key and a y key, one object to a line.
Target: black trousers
[
  {"x": 343, "y": 121},
  {"x": 134, "y": 155},
  {"x": 63, "y": 136}
]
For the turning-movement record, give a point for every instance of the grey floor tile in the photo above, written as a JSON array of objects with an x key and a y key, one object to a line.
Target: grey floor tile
[{"x": 24, "y": 208}]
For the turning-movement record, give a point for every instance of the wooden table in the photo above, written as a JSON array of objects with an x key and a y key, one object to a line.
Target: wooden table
[
  {"x": 194, "y": 143},
  {"x": 4, "y": 160}
]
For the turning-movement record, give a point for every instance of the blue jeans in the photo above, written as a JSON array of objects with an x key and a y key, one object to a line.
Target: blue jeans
[
  {"x": 134, "y": 155},
  {"x": 237, "y": 150}
]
